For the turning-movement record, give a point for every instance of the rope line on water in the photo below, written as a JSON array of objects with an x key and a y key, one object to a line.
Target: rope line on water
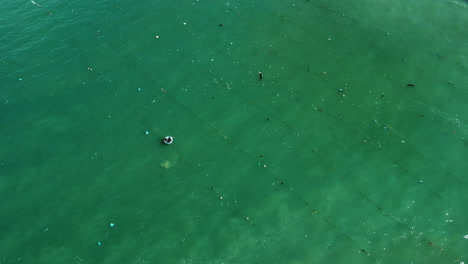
[{"x": 250, "y": 153}]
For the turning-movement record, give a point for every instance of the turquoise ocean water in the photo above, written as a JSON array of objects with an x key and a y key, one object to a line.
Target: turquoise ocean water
[{"x": 331, "y": 158}]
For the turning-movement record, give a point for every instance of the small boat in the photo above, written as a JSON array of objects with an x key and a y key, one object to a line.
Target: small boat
[{"x": 168, "y": 140}]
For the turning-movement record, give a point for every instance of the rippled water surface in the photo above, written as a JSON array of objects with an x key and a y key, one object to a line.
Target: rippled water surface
[{"x": 351, "y": 148}]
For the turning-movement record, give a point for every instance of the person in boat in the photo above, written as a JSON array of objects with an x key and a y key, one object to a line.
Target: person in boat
[{"x": 168, "y": 140}]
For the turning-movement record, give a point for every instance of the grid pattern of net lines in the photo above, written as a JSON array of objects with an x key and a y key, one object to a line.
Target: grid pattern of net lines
[
  {"x": 291, "y": 128},
  {"x": 244, "y": 97}
]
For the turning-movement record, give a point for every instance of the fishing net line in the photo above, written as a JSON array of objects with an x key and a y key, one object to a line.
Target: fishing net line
[{"x": 313, "y": 132}]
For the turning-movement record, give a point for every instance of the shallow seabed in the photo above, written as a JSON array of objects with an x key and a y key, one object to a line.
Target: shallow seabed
[{"x": 351, "y": 149}]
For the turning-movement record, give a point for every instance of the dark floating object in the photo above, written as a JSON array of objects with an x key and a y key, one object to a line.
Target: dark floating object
[
  {"x": 220, "y": 25},
  {"x": 410, "y": 85},
  {"x": 168, "y": 140},
  {"x": 260, "y": 75}
]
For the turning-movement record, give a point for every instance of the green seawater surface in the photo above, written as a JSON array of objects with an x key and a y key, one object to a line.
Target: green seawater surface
[{"x": 351, "y": 149}]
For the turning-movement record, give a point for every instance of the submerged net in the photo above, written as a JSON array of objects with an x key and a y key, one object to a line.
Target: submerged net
[{"x": 351, "y": 147}]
